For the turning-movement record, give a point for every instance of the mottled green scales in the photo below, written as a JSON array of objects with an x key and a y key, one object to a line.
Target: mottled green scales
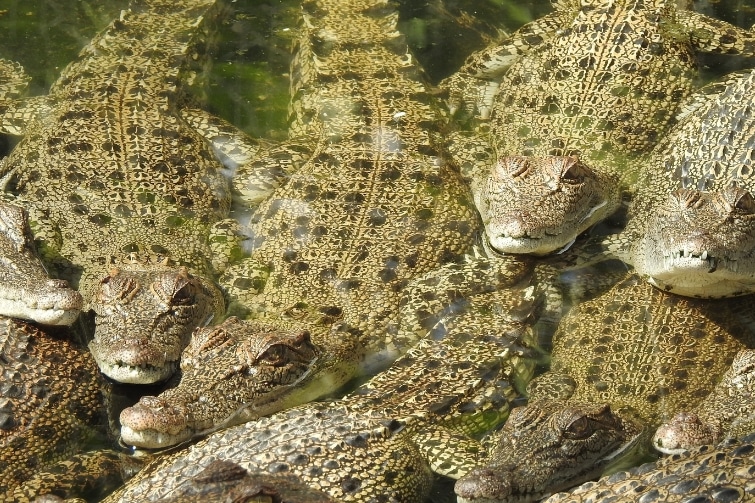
[
  {"x": 365, "y": 204},
  {"x": 691, "y": 228},
  {"x": 126, "y": 199},
  {"x": 575, "y": 99},
  {"x": 622, "y": 362},
  {"x": 379, "y": 442}
]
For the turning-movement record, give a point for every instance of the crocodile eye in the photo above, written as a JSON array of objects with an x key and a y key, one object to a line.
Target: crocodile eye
[
  {"x": 183, "y": 296},
  {"x": 578, "y": 429},
  {"x": 745, "y": 202},
  {"x": 573, "y": 170},
  {"x": 296, "y": 348},
  {"x": 276, "y": 355},
  {"x": 511, "y": 166}
]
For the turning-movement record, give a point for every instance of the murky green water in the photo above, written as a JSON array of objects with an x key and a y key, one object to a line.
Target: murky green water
[{"x": 248, "y": 83}]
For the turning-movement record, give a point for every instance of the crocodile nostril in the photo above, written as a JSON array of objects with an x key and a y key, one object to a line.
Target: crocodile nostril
[
  {"x": 483, "y": 483},
  {"x": 57, "y": 283}
]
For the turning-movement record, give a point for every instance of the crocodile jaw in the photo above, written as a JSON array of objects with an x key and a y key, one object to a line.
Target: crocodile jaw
[
  {"x": 700, "y": 244},
  {"x": 232, "y": 373},
  {"x": 699, "y": 275},
  {"x": 61, "y": 308},
  {"x": 137, "y": 374}
]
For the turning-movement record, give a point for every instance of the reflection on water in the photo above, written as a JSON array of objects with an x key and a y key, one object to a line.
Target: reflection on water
[{"x": 248, "y": 83}]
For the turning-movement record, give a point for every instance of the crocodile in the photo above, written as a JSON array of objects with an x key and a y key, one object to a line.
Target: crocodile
[
  {"x": 380, "y": 442},
  {"x": 50, "y": 396},
  {"x": 26, "y": 291},
  {"x": 370, "y": 206},
  {"x": 691, "y": 229},
  {"x": 727, "y": 412},
  {"x": 126, "y": 197},
  {"x": 575, "y": 100},
  {"x": 722, "y": 472},
  {"x": 622, "y": 362}
]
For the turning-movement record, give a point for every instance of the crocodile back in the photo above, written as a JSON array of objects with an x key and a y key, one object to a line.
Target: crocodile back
[
  {"x": 655, "y": 352},
  {"x": 606, "y": 84},
  {"x": 376, "y": 205},
  {"x": 110, "y": 168}
]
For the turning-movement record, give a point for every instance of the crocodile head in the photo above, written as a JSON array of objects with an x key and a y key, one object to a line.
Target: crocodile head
[
  {"x": 230, "y": 373},
  {"x": 540, "y": 204},
  {"x": 701, "y": 244},
  {"x": 727, "y": 411},
  {"x": 548, "y": 446},
  {"x": 144, "y": 316},
  {"x": 25, "y": 290}
]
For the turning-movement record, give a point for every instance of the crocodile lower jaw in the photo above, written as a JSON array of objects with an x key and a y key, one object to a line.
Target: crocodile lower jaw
[
  {"x": 697, "y": 281},
  {"x": 153, "y": 439},
  {"x": 141, "y": 374},
  {"x": 45, "y": 315},
  {"x": 530, "y": 246}
]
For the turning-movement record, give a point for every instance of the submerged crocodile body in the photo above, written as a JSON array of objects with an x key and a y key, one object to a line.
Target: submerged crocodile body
[
  {"x": 373, "y": 444},
  {"x": 331, "y": 249},
  {"x": 691, "y": 228},
  {"x": 577, "y": 98},
  {"x": 723, "y": 472},
  {"x": 124, "y": 195},
  {"x": 728, "y": 412},
  {"x": 622, "y": 362}
]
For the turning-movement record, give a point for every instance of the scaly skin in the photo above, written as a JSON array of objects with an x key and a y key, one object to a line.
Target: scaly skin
[
  {"x": 123, "y": 195},
  {"x": 576, "y": 98},
  {"x": 368, "y": 446},
  {"x": 621, "y": 363},
  {"x": 332, "y": 248},
  {"x": 691, "y": 228},
  {"x": 722, "y": 472},
  {"x": 50, "y": 401},
  {"x": 25, "y": 290},
  {"x": 726, "y": 413}
]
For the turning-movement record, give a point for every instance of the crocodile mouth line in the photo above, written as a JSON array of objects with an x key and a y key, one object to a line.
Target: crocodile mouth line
[
  {"x": 671, "y": 260},
  {"x": 122, "y": 372}
]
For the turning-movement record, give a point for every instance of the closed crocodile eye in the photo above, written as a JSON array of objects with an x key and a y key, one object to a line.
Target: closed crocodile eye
[
  {"x": 183, "y": 296},
  {"x": 276, "y": 355},
  {"x": 575, "y": 172},
  {"x": 745, "y": 202},
  {"x": 578, "y": 429}
]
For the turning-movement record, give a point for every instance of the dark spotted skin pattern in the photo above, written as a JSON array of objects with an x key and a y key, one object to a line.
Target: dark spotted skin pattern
[
  {"x": 633, "y": 353},
  {"x": 50, "y": 400},
  {"x": 723, "y": 472},
  {"x": 333, "y": 247},
  {"x": 366, "y": 446},
  {"x": 594, "y": 85},
  {"x": 121, "y": 190}
]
